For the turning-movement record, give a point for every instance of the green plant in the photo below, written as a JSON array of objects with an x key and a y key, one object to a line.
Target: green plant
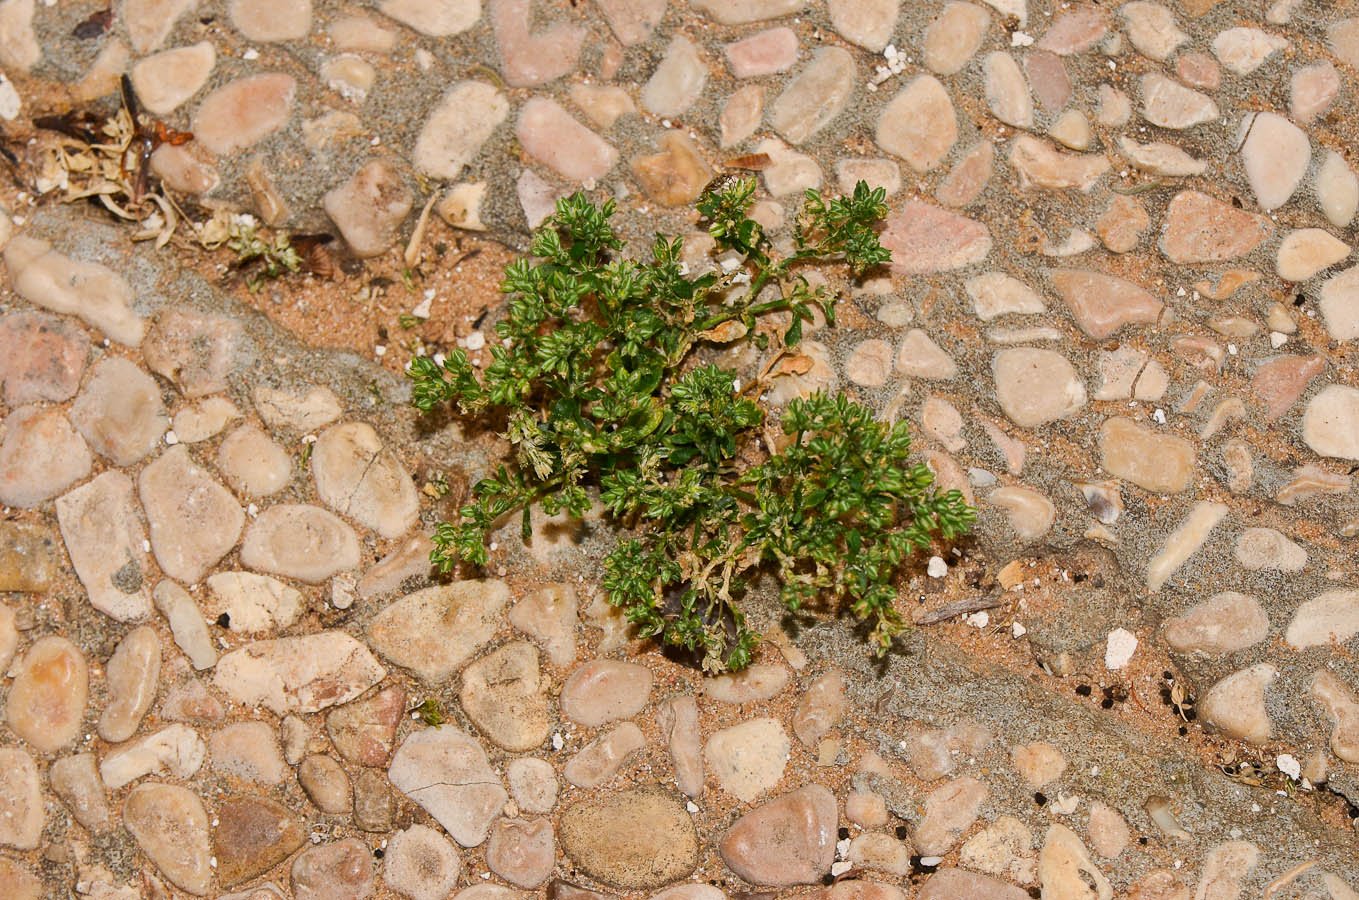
[
  {"x": 596, "y": 377},
  {"x": 275, "y": 256}
]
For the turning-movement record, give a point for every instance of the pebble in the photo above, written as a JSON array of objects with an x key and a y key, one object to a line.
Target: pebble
[
  {"x": 632, "y": 21},
  {"x": 445, "y": 771},
  {"x": 1330, "y": 422},
  {"x": 1199, "y": 70},
  {"x": 40, "y": 456},
  {"x": 1162, "y": 463},
  {"x": 932, "y": 753},
  {"x": 188, "y": 168},
  {"x": 1184, "y": 541},
  {"x": 301, "y": 410},
  {"x": 866, "y": 809},
  {"x": 603, "y": 691},
  {"x": 92, "y": 292},
  {"x": 1224, "y": 623},
  {"x": 1332, "y": 617},
  {"x": 105, "y": 540},
  {"x": 880, "y": 852},
  {"x": 968, "y": 177},
  {"x": 342, "y": 870},
  {"x": 1035, "y": 387},
  {"x": 1075, "y": 31},
  {"x": 868, "y": 23},
  {"x": 870, "y": 363},
  {"x": 189, "y": 701},
  {"x": 678, "y": 721},
  {"x": 1243, "y": 50},
  {"x": 166, "y": 80},
  {"x": 1235, "y": 705},
  {"x": 1225, "y": 867},
  {"x": 251, "y": 835},
  {"x": 815, "y": 96},
  {"x": 676, "y": 175},
  {"x": 1072, "y": 129},
  {"x": 361, "y": 32},
  {"x": 877, "y": 173},
  {"x": 47, "y": 697},
  {"x": 602, "y": 104},
  {"x": 925, "y": 239},
  {"x": 959, "y": 884},
  {"x": 170, "y": 825},
  {"x": 1337, "y": 189},
  {"x": 434, "y": 18},
  {"x": 326, "y": 783},
  {"x": 549, "y": 616},
  {"x": 678, "y": 80},
  {"x": 435, "y": 631},
  {"x": 1039, "y": 763},
  {"x": 369, "y": 207},
  {"x": 375, "y": 803},
  {"x": 19, "y": 47},
  {"x": 549, "y": 135},
  {"x": 252, "y": 603},
  {"x": 1160, "y": 158},
  {"x": 950, "y": 810},
  {"x": 1200, "y": 228},
  {"x": 132, "y": 675},
  {"x": 1339, "y": 305},
  {"x": 1275, "y": 154},
  {"x": 785, "y": 841},
  {"x": 503, "y": 695},
  {"x": 1048, "y": 79},
  {"x": 1311, "y": 91},
  {"x": 1171, "y": 105},
  {"x": 923, "y": 358},
  {"x": 119, "y": 412},
  {"x": 763, "y": 53},
  {"x": 748, "y": 759},
  {"x": 741, "y": 116},
  {"x": 252, "y": 463},
  {"x": 741, "y": 12},
  {"x": 186, "y": 624},
  {"x": 1065, "y": 869},
  {"x": 248, "y": 751},
  {"x": 1307, "y": 251},
  {"x": 28, "y": 562},
  {"x": 1265, "y": 548},
  {"x": 752, "y": 684},
  {"x": 244, "y": 112},
  {"x": 196, "y": 351},
  {"x": 41, "y": 358},
  {"x": 919, "y": 125},
  {"x": 954, "y": 37},
  {"x": 533, "y": 784},
  {"x": 21, "y": 808},
  {"x": 529, "y": 59},
  {"x": 300, "y": 541},
  {"x": 75, "y": 780},
  {"x": 1007, "y": 94},
  {"x": 635, "y": 839},
  {"x": 1279, "y": 383},
  {"x": 364, "y": 731},
  {"x": 458, "y": 127},
  {"x": 1108, "y": 830},
  {"x": 1152, "y": 29},
  {"x": 1004, "y": 848},
  {"x": 1102, "y": 304},
  {"x": 175, "y": 751},
  {"x": 357, "y": 476},
  {"x": 1342, "y": 706},
  {"x": 422, "y": 864},
  {"x": 790, "y": 172},
  {"x": 194, "y": 521},
  {"x": 821, "y": 708},
  {"x": 298, "y": 674},
  {"x": 1121, "y": 226},
  {"x": 521, "y": 851}
]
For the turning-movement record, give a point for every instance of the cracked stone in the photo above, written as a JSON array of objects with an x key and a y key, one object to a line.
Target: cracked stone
[
  {"x": 298, "y": 674},
  {"x": 445, "y": 771}
]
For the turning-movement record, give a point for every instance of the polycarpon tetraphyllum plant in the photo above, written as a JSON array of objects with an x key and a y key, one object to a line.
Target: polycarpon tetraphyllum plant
[{"x": 600, "y": 377}]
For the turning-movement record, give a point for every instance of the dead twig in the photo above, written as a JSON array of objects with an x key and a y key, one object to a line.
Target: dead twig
[{"x": 959, "y": 608}]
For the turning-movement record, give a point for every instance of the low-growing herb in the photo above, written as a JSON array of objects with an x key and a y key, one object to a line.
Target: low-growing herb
[{"x": 601, "y": 381}]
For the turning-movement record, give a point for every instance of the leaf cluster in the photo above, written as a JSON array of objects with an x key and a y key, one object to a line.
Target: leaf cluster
[{"x": 604, "y": 394}]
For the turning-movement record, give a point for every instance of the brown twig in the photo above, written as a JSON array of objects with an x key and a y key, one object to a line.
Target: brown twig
[{"x": 959, "y": 608}]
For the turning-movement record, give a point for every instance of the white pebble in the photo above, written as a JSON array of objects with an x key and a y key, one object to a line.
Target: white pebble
[
  {"x": 936, "y": 568},
  {"x": 1122, "y": 644},
  {"x": 1289, "y": 765}
]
